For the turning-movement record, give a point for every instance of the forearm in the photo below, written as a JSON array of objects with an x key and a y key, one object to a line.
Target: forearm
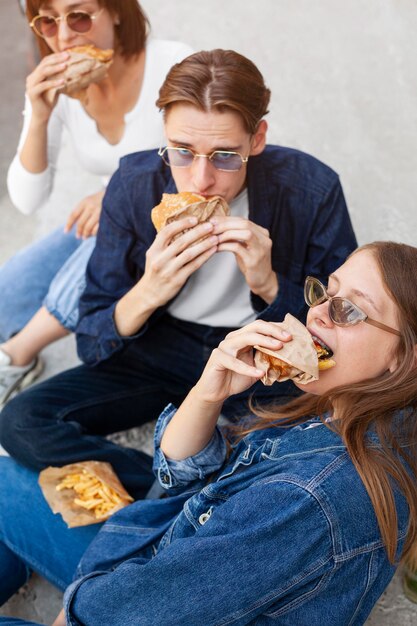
[
  {"x": 268, "y": 291},
  {"x": 134, "y": 309},
  {"x": 34, "y": 152},
  {"x": 191, "y": 428}
]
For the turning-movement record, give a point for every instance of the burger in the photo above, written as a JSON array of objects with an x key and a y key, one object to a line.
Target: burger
[
  {"x": 86, "y": 65},
  {"x": 176, "y": 206},
  {"x": 300, "y": 359}
]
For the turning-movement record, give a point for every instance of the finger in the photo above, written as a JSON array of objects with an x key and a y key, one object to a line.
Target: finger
[
  {"x": 169, "y": 231},
  {"x": 83, "y": 219},
  {"x": 89, "y": 226},
  {"x": 73, "y": 217},
  {"x": 236, "y": 344},
  {"x": 245, "y": 235},
  {"x": 191, "y": 237},
  {"x": 191, "y": 253},
  {"x": 269, "y": 329},
  {"x": 236, "y": 365},
  {"x": 187, "y": 270}
]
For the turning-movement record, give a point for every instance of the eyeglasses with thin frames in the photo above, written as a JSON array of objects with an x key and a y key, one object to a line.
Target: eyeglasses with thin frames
[
  {"x": 46, "y": 26},
  {"x": 342, "y": 311},
  {"x": 224, "y": 160}
]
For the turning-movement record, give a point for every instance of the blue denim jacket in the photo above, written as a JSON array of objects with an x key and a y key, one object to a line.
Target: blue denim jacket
[
  {"x": 296, "y": 197},
  {"x": 283, "y": 533}
]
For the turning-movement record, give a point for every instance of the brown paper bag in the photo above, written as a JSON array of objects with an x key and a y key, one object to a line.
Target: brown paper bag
[
  {"x": 63, "y": 501},
  {"x": 299, "y": 354}
]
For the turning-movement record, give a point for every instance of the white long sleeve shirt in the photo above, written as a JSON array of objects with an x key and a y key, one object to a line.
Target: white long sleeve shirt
[{"x": 143, "y": 131}]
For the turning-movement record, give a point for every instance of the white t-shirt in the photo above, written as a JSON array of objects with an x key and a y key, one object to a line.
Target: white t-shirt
[
  {"x": 217, "y": 293},
  {"x": 143, "y": 131}
]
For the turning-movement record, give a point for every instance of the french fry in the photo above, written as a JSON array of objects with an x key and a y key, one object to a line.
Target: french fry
[{"x": 92, "y": 493}]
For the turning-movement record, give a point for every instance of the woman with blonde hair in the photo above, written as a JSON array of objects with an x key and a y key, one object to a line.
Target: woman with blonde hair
[
  {"x": 41, "y": 285},
  {"x": 300, "y": 518}
]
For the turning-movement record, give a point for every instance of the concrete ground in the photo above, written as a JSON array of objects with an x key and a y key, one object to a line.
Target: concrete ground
[{"x": 343, "y": 92}]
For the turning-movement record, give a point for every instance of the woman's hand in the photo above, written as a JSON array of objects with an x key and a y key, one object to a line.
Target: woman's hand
[
  {"x": 86, "y": 215},
  {"x": 231, "y": 368},
  {"x": 41, "y": 80}
]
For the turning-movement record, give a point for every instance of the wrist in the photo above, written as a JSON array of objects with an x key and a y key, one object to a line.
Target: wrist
[
  {"x": 132, "y": 311},
  {"x": 269, "y": 290}
]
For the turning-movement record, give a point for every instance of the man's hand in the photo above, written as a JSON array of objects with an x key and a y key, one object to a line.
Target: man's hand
[
  {"x": 86, "y": 215},
  {"x": 170, "y": 262},
  {"x": 251, "y": 245}
]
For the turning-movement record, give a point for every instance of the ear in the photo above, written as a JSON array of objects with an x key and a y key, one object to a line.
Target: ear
[{"x": 259, "y": 138}]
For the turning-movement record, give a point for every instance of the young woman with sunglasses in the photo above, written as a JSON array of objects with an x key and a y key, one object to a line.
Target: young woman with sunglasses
[
  {"x": 300, "y": 517},
  {"x": 118, "y": 117}
]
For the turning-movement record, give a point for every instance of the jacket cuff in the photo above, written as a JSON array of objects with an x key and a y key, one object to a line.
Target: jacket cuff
[{"x": 172, "y": 473}]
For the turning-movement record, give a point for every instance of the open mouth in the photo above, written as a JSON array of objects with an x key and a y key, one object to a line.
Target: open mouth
[{"x": 323, "y": 350}]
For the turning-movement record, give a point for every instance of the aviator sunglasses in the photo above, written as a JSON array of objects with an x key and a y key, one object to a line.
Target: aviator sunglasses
[
  {"x": 342, "y": 311},
  {"x": 79, "y": 21},
  {"x": 223, "y": 160}
]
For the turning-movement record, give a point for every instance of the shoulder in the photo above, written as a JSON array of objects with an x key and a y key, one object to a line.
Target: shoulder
[
  {"x": 294, "y": 168},
  {"x": 166, "y": 51}
]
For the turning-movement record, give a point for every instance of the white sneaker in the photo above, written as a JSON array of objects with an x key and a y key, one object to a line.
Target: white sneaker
[{"x": 14, "y": 378}]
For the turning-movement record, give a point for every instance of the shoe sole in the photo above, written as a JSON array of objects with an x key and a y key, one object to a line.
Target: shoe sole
[{"x": 24, "y": 382}]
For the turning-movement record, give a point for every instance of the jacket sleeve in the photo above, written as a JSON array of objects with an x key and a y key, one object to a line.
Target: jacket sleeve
[
  {"x": 170, "y": 473},
  {"x": 29, "y": 191},
  {"x": 248, "y": 558},
  {"x": 109, "y": 276},
  {"x": 330, "y": 239}
]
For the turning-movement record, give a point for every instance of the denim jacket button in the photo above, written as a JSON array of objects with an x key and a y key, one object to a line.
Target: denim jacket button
[
  {"x": 204, "y": 517},
  {"x": 165, "y": 479}
]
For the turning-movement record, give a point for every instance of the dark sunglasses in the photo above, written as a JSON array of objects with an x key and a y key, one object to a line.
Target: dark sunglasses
[
  {"x": 342, "y": 311},
  {"x": 223, "y": 160},
  {"x": 79, "y": 21}
]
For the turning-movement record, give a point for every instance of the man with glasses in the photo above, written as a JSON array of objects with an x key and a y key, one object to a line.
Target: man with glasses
[{"x": 155, "y": 306}]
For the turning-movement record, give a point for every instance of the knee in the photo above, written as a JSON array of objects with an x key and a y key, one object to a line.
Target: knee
[{"x": 18, "y": 434}]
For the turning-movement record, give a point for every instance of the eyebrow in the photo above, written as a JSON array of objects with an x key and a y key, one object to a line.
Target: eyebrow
[
  {"x": 185, "y": 144},
  {"x": 359, "y": 293}
]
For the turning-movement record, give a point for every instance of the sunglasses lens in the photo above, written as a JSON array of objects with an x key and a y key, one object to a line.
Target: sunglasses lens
[
  {"x": 178, "y": 158},
  {"x": 226, "y": 161},
  {"x": 314, "y": 292},
  {"x": 45, "y": 26},
  {"x": 345, "y": 313},
  {"x": 79, "y": 21}
]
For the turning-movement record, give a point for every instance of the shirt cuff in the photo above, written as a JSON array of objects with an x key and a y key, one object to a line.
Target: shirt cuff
[{"x": 172, "y": 473}]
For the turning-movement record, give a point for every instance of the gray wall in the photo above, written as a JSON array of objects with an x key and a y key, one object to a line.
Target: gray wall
[{"x": 343, "y": 80}]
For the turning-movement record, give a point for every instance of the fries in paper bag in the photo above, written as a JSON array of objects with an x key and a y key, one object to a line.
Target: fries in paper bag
[{"x": 83, "y": 493}]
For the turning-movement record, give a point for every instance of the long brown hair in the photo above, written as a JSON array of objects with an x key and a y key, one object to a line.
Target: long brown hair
[
  {"x": 386, "y": 405},
  {"x": 220, "y": 80},
  {"x": 130, "y": 33}
]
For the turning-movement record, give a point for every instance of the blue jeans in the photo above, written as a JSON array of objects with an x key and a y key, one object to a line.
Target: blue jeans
[
  {"x": 32, "y": 538},
  {"x": 50, "y": 272},
  {"x": 66, "y": 418}
]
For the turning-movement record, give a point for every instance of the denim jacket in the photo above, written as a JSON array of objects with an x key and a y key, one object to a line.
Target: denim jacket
[
  {"x": 293, "y": 195},
  {"x": 282, "y": 533}
]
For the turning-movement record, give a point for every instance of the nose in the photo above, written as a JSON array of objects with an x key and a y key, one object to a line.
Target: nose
[
  {"x": 64, "y": 31},
  {"x": 203, "y": 174},
  {"x": 320, "y": 315}
]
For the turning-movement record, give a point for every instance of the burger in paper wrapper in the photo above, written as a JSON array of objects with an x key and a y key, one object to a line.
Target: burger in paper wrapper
[
  {"x": 175, "y": 206},
  {"x": 83, "y": 493},
  {"x": 86, "y": 65},
  {"x": 297, "y": 360}
]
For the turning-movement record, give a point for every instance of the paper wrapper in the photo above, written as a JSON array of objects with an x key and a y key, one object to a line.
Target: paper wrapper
[
  {"x": 300, "y": 355},
  {"x": 86, "y": 65},
  {"x": 176, "y": 206},
  {"x": 63, "y": 501}
]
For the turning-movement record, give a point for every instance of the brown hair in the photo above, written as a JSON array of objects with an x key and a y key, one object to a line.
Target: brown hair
[
  {"x": 374, "y": 405},
  {"x": 220, "y": 80},
  {"x": 130, "y": 33}
]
